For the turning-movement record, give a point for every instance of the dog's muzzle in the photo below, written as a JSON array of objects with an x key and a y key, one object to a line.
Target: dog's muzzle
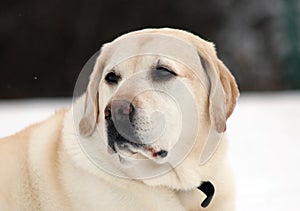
[{"x": 121, "y": 134}]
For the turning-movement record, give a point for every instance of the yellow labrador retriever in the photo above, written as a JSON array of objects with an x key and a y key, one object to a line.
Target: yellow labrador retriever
[{"x": 146, "y": 135}]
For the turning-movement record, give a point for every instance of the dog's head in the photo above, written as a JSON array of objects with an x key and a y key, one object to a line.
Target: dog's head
[{"x": 148, "y": 85}]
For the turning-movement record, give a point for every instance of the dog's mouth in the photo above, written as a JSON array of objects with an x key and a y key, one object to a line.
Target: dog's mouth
[{"x": 117, "y": 143}]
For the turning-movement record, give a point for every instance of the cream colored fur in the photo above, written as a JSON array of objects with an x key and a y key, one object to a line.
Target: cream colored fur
[{"x": 43, "y": 167}]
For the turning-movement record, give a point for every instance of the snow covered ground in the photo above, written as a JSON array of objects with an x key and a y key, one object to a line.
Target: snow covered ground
[
  {"x": 264, "y": 145},
  {"x": 265, "y": 151}
]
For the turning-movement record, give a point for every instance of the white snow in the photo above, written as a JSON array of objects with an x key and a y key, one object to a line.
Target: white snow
[
  {"x": 264, "y": 144},
  {"x": 17, "y": 114},
  {"x": 264, "y": 151}
]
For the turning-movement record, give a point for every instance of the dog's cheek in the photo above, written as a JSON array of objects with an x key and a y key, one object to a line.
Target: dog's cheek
[{"x": 171, "y": 117}]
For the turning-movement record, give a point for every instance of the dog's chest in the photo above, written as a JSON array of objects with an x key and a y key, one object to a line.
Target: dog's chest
[{"x": 92, "y": 195}]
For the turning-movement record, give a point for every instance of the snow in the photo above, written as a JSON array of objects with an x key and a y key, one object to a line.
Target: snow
[
  {"x": 17, "y": 114},
  {"x": 264, "y": 144},
  {"x": 264, "y": 151}
]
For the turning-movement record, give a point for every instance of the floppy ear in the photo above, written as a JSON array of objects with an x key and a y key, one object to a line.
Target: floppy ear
[
  {"x": 91, "y": 108},
  {"x": 223, "y": 90}
]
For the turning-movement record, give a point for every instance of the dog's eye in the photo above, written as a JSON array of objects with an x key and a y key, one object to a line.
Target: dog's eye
[
  {"x": 112, "y": 78},
  {"x": 162, "y": 73}
]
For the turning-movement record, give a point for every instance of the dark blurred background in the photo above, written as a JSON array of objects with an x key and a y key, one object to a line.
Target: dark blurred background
[{"x": 44, "y": 44}]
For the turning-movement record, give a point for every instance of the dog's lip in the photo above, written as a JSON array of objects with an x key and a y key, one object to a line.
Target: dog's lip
[
  {"x": 121, "y": 145},
  {"x": 125, "y": 145},
  {"x": 127, "y": 152},
  {"x": 142, "y": 152}
]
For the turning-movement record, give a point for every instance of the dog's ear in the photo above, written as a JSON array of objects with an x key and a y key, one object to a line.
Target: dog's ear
[
  {"x": 88, "y": 121},
  {"x": 223, "y": 91}
]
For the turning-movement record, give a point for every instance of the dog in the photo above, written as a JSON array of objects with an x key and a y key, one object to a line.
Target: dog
[{"x": 147, "y": 134}]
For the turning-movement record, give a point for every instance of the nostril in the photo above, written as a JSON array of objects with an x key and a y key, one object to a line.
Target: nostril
[
  {"x": 107, "y": 112},
  {"x": 131, "y": 108}
]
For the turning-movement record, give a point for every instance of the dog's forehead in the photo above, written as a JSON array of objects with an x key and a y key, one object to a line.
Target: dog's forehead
[{"x": 153, "y": 44}]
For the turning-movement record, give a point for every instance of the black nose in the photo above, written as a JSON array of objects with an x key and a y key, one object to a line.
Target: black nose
[
  {"x": 119, "y": 116},
  {"x": 120, "y": 108}
]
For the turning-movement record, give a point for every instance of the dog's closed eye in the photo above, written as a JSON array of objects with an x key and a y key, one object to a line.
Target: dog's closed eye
[{"x": 162, "y": 73}]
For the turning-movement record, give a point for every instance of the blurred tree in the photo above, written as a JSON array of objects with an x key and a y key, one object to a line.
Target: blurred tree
[{"x": 291, "y": 15}]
